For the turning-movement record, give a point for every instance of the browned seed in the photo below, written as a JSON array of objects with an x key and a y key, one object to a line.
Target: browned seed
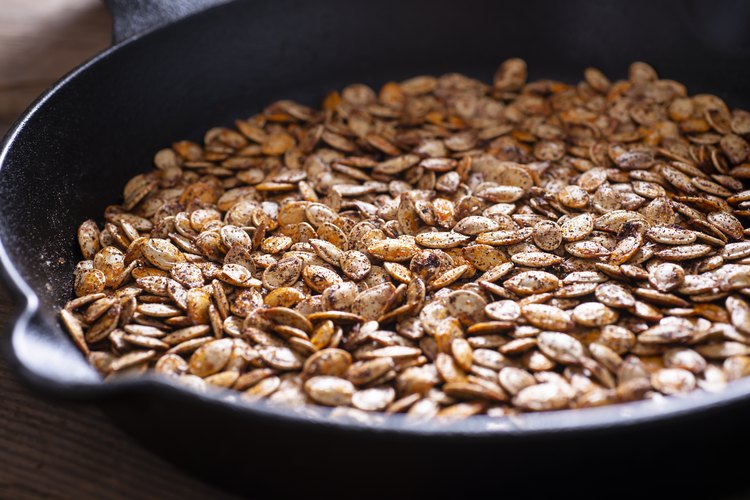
[
  {"x": 560, "y": 347},
  {"x": 514, "y": 380},
  {"x": 330, "y": 391},
  {"x": 594, "y": 314},
  {"x": 162, "y": 253},
  {"x": 355, "y": 265},
  {"x": 328, "y": 362},
  {"x": 547, "y": 317},
  {"x": 686, "y": 359},
  {"x": 475, "y": 224},
  {"x": 392, "y": 250},
  {"x": 336, "y": 317},
  {"x": 88, "y": 239},
  {"x": 89, "y": 282},
  {"x": 462, "y": 353},
  {"x": 530, "y": 282},
  {"x": 319, "y": 278},
  {"x": 210, "y": 358},
  {"x": 671, "y": 235},
  {"x": 673, "y": 381},
  {"x": 664, "y": 334},
  {"x": 503, "y": 310},
  {"x": 288, "y": 317},
  {"x": 131, "y": 359},
  {"x": 614, "y": 295},
  {"x": 501, "y": 194},
  {"x": 364, "y": 372},
  {"x": 394, "y": 352},
  {"x": 666, "y": 277},
  {"x": 283, "y": 273},
  {"x": 536, "y": 259},
  {"x": 280, "y": 358},
  {"x": 547, "y": 235},
  {"x": 578, "y": 227},
  {"x": 543, "y": 397},
  {"x": 75, "y": 330},
  {"x": 184, "y": 334},
  {"x": 104, "y": 325},
  {"x": 373, "y": 399},
  {"x": 684, "y": 252},
  {"x": 504, "y": 237},
  {"x": 734, "y": 251},
  {"x": 441, "y": 240},
  {"x": 449, "y": 277},
  {"x": 261, "y": 389}
]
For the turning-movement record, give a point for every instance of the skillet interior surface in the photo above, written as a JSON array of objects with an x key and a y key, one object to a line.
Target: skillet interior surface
[{"x": 71, "y": 154}]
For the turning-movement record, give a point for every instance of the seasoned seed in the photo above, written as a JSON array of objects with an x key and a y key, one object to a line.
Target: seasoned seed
[
  {"x": 319, "y": 278},
  {"x": 364, "y": 372},
  {"x": 504, "y": 310},
  {"x": 330, "y": 391},
  {"x": 547, "y": 317},
  {"x": 262, "y": 389},
  {"x": 88, "y": 239},
  {"x": 355, "y": 265},
  {"x": 504, "y": 238},
  {"x": 685, "y": 252},
  {"x": 514, "y": 380},
  {"x": 673, "y": 381},
  {"x": 561, "y": 347},
  {"x": 530, "y": 282},
  {"x": 734, "y": 251},
  {"x": 441, "y": 239},
  {"x": 594, "y": 314},
  {"x": 281, "y": 358},
  {"x": 327, "y": 251},
  {"x": 75, "y": 330},
  {"x": 614, "y": 295},
  {"x": 392, "y": 250},
  {"x": 89, "y": 282},
  {"x": 162, "y": 253},
  {"x": 666, "y": 277},
  {"x": 373, "y": 399},
  {"x": 475, "y": 224},
  {"x": 210, "y": 358},
  {"x": 283, "y": 273},
  {"x": 547, "y": 235},
  {"x": 543, "y": 397},
  {"x": 131, "y": 359},
  {"x": 578, "y": 227},
  {"x": 686, "y": 359},
  {"x": 664, "y": 334},
  {"x": 536, "y": 259},
  {"x": 727, "y": 224},
  {"x": 328, "y": 362}
]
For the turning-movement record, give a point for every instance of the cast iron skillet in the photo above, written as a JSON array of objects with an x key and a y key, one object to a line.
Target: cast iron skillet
[{"x": 71, "y": 153}]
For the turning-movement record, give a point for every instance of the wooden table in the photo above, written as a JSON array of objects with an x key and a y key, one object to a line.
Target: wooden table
[{"x": 50, "y": 449}]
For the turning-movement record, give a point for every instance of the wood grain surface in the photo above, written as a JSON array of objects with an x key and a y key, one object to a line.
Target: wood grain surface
[{"x": 50, "y": 449}]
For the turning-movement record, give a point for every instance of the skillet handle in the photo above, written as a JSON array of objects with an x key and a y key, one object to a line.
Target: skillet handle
[{"x": 131, "y": 17}]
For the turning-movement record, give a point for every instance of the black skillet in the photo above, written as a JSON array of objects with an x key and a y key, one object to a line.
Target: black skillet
[{"x": 71, "y": 153}]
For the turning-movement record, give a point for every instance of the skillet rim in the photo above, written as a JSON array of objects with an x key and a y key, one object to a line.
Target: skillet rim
[{"x": 587, "y": 421}]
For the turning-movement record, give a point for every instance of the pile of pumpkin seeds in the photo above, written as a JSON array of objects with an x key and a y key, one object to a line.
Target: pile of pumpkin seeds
[{"x": 437, "y": 247}]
